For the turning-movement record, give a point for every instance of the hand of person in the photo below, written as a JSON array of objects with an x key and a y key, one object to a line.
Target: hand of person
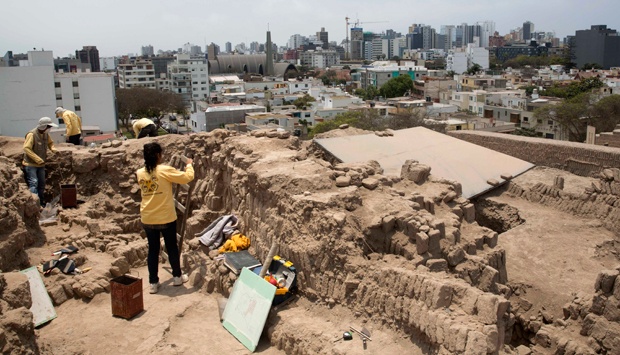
[{"x": 190, "y": 161}]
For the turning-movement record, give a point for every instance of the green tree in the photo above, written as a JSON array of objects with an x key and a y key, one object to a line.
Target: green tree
[
  {"x": 589, "y": 66},
  {"x": 396, "y": 87},
  {"x": 474, "y": 69},
  {"x": 370, "y": 93},
  {"x": 525, "y": 131},
  {"x": 303, "y": 101},
  {"x": 142, "y": 102},
  {"x": 573, "y": 89}
]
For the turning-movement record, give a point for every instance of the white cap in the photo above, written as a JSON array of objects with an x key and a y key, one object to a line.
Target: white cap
[
  {"x": 46, "y": 122},
  {"x": 59, "y": 110}
]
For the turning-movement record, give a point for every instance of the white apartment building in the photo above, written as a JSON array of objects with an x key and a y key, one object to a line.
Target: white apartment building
[
  {"x": 477, "y": 55},
  {"x": 456, "y": 62},
  {"x": 325, "y": 59},
  {"x": 189, "y": 77},
  {"x": 138, "y": 74},
  {"x": 34, "y": 90}
]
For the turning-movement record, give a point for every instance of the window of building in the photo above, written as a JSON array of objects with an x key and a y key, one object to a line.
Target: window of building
[
  {"x": 525, "y": 119},
  {"x": 56, "y": 85},
  {"x": 538, "y": 121},
  {"x": 75, "y": 84},
  {"x": 78, "y": 108},
  {"x": 550, "y": 122},
  {"x": 76, "y": 96},
  {"x": 58, "y": 97}
]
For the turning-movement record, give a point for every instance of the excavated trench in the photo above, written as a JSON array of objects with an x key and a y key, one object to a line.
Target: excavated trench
[
  {"x": 374, "y": 247},
  {"x": 497, "y": 216}
]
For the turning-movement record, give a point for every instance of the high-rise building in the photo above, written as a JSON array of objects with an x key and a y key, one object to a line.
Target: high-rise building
[
  {"x": 528, "y": 29},
  {"x": 598, "y": 45},
  {"x": 228, "y": 47},
  {"x": 89, "y": 54},
  {"x": 147, "y": 51},
  {"x": 487, "y": 29},
  {"x": 323, "y": 37},
  {"x": 212, "y": 51},
  {"x": 357, "y": 43},
  {"x": 450, "y": 32}
]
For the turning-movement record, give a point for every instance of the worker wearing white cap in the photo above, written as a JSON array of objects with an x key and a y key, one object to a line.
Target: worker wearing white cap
[
  {"x": 38, "y": 141},
  {"x": 73, "y": 123}
]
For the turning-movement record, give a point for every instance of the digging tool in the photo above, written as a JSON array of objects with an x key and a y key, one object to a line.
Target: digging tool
[{"x": 364, "y": 334}]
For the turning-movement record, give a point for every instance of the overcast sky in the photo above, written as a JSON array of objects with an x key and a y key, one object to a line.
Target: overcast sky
[{"x": 119, "y": 27}]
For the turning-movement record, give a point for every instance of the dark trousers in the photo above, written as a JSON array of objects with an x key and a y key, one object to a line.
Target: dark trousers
[
  {"x": 75, "y": 139},
  {"x": 169, "y": 232},
  {"x": 150, "y": 130},
  {"x": 36, "y": 181}
]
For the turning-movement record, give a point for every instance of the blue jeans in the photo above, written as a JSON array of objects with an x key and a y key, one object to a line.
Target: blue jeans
[
  {"x": 169, "y": 232},
  {"x": 36, "y": 181}
]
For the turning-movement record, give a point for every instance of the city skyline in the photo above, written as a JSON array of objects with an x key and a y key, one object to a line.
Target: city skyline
[{"x": 119, "y": 28}]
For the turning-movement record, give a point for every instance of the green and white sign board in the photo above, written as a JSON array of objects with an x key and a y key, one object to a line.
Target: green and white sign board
[
  {"x": 42, "y": 308},
  {"x": 248, "y": 307}
]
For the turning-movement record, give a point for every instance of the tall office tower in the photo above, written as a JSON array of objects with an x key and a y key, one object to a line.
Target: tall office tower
[
  {"x": 462, "y": 35},
  {"x": 598, "y": 45},
  {"x": 323, "y": 37},
  {"x": 487, "y": 29},
  {"x": 528, "y": 29},
  {"x": 254, "y": 47},
  {"x": 269, "y": 51},
  {"x": 450, "y": 32},
  {"x": 147, "y": 51},
  {"x": 212, "y": 51},
  {"x": 89, "y": 54},
  {"x": 474, "y": 31},
  {"x": 295, "y": 41},
  {"x": 195, "y": 50},
  {"x": 228, "y": 47},
  {"x": 357, "y": 43},
  {"x": 428, "y": 37}
]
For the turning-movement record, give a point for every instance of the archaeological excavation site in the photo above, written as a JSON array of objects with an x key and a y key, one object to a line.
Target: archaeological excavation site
[{"x": 466, "y": 243}]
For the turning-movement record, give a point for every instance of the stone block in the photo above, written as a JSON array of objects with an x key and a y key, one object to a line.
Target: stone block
[
  {"x": 414, "y": 171},
  {"x": 476, "y": 343},
  {"x": 343, "y": 181},
  {"x": 469, "y": 212},
  {"x": 605, "y": 281},
  {"x": 387, "y": 224},
  {"x": 488, "y": 279},
  {"x": 434, "y": 239},
  {"x": 491, "y": 308},
  {"x": 370, "y": 183},
  {"x": 421, "y": 243},
  {"x": 17, "y": 290},
  {"x": 491, "y": 239},
  {"x": 437, "y": 265},
  {"x": 456, "y": 256}
]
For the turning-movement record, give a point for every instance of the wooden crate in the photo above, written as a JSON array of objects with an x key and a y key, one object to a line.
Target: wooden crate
[{"x": 127, "y": 297}]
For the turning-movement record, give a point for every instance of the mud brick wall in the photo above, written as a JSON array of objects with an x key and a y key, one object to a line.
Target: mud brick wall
[
  {"x": 577, "y": 158},
  {"x": 611, "y": 140},
  {"x": 599, "y": 314}
]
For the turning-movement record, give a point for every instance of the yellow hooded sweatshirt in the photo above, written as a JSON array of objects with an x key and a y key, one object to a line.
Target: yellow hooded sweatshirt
[{"x": 157, "y": 206}]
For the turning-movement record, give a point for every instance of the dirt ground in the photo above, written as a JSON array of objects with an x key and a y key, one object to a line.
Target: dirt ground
[{"x": 184, "y": 320}]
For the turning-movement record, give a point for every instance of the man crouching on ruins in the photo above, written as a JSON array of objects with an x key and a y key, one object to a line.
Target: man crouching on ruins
[
  {"x": 158, "y": 213},
  {"x": 38, "y": 141}
]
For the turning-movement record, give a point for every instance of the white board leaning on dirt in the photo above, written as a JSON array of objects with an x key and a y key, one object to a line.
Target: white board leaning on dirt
[
  {"x": 248, "y": 307},
  {"x": 449, "y": 158},
  {"x": 42, "y": 308}
]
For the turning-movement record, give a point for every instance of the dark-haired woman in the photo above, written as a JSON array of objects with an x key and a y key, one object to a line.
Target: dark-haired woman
[{"x": 158, "y": 213}]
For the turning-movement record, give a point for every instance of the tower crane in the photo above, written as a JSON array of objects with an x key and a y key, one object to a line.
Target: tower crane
[{"x": 356, "y": 24}]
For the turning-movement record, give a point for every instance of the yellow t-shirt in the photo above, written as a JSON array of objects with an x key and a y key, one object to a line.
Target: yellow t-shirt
[
  {"x": 73, "y": 123},
  {"x": 141, "y": 123},
  {"x": 157, "y": 206}
]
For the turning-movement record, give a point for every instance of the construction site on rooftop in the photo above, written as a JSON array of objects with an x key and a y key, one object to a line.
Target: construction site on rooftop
[{"x": 528, "y": 263}]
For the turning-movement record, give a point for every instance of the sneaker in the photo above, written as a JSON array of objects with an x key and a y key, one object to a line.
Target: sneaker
[
  {"x": 153, "y": 288},
  {"x": 178, "y": 281}
]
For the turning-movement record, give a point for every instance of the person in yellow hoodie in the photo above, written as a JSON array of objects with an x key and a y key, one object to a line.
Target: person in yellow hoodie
[
  {"x": 73, "y": 123},
  {"x": 37, "y": 143},
  {"x": 158, "y": 213},
  {"x": 144, "y": 127}
]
